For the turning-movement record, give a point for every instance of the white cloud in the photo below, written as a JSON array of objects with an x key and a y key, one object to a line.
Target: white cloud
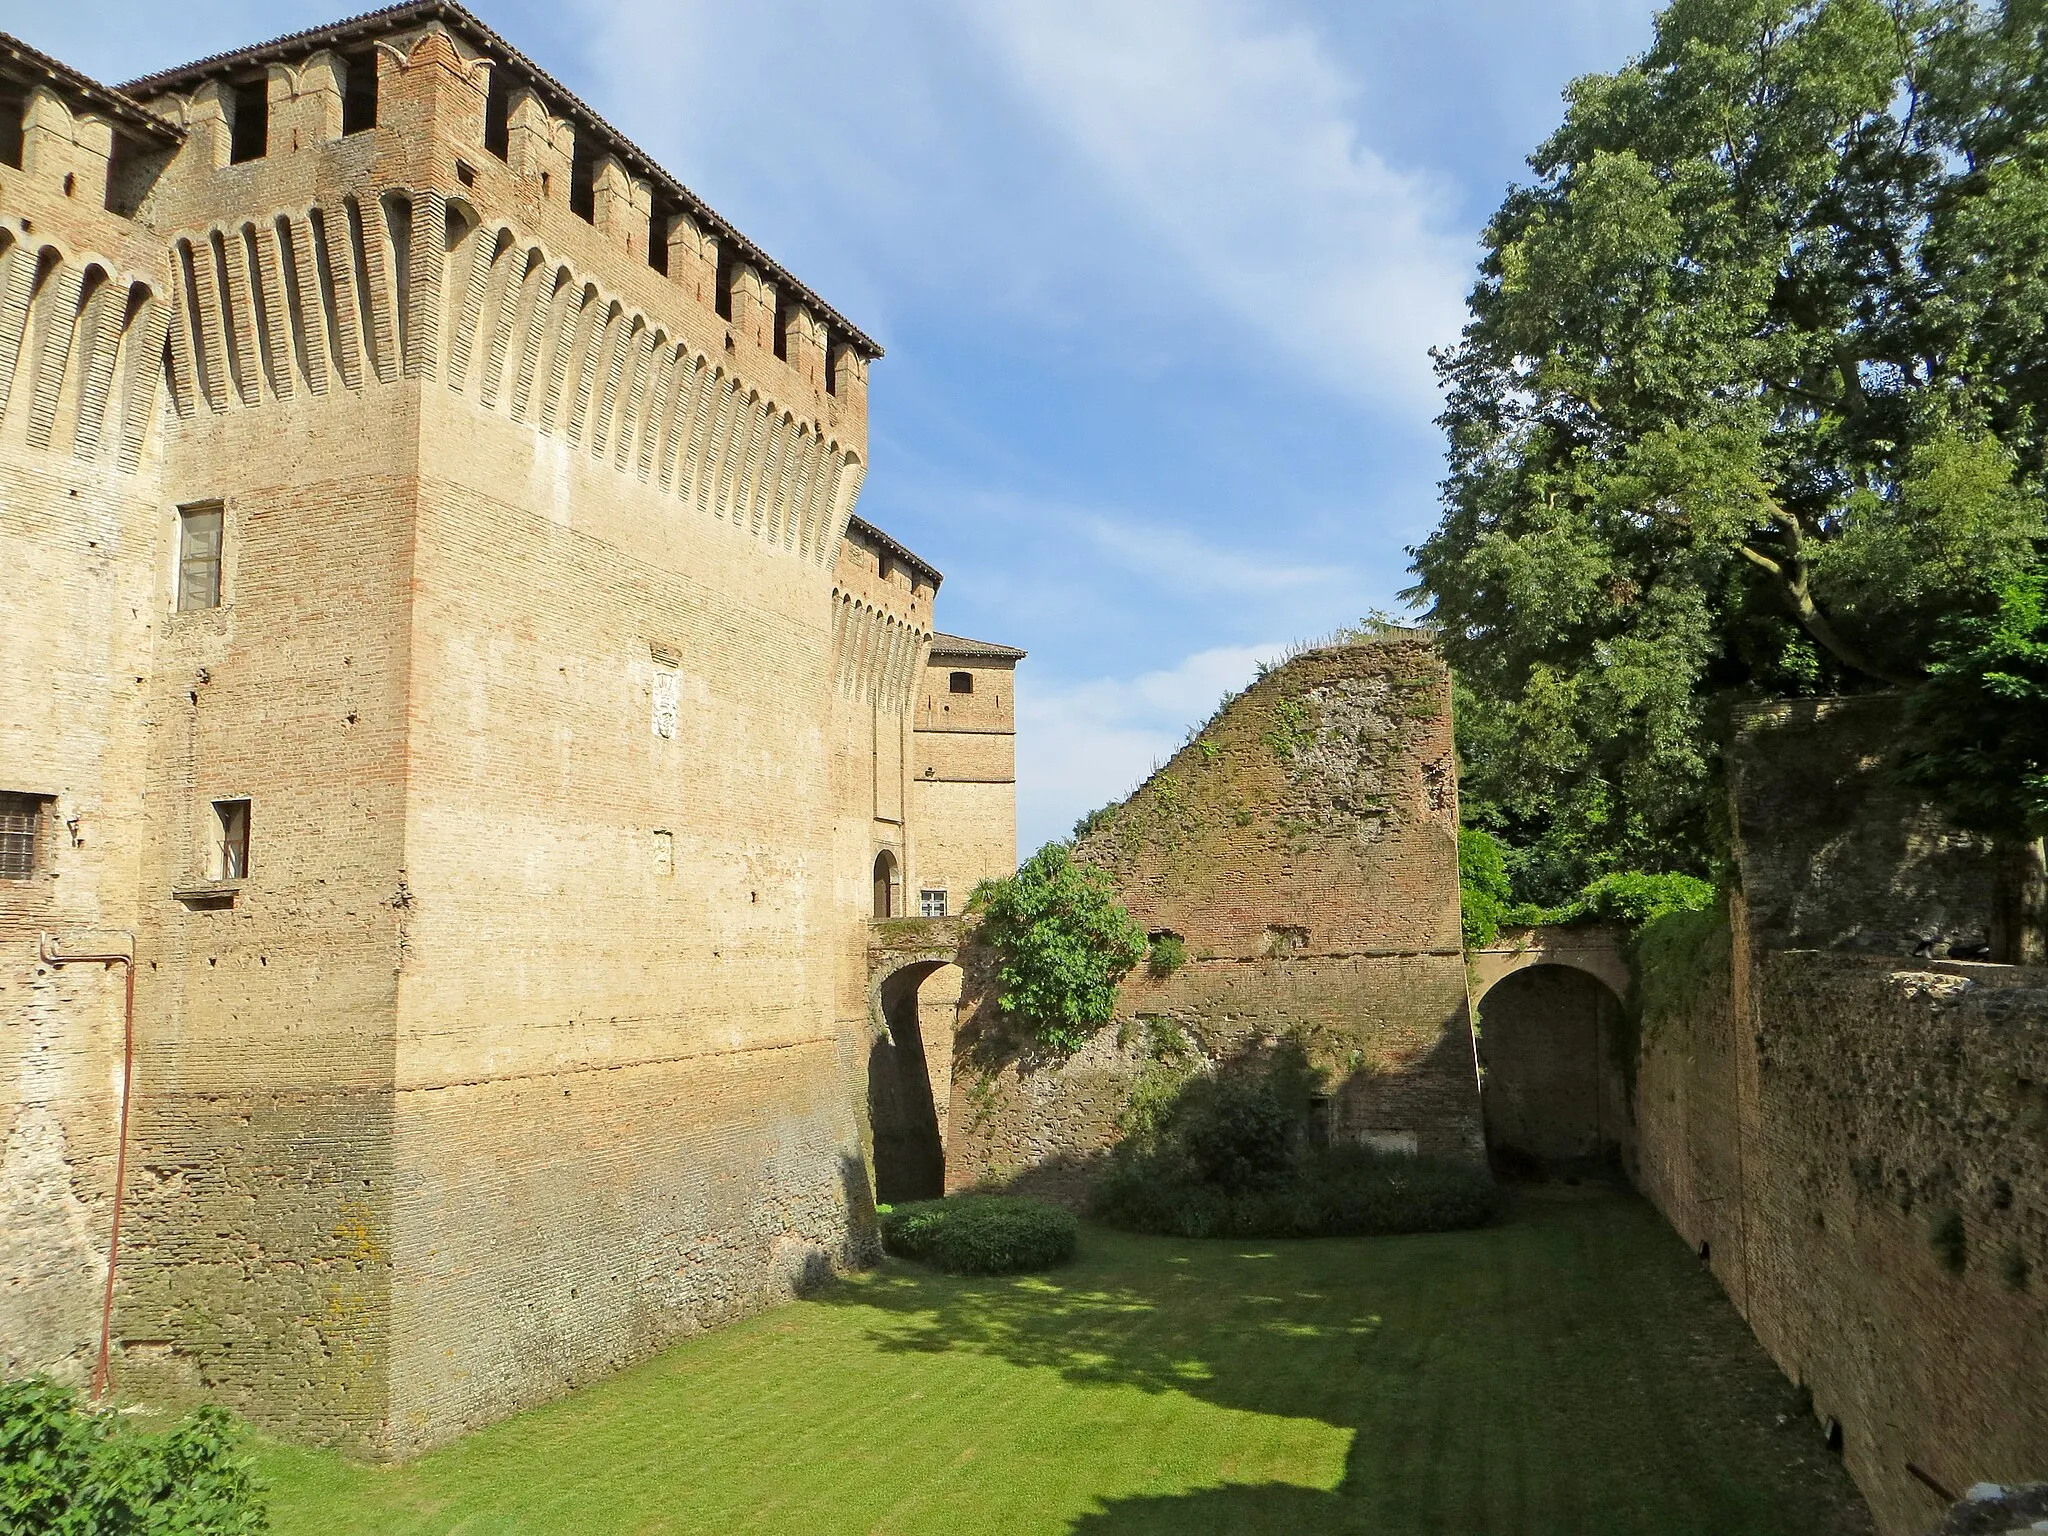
[
  {"x": 1234, "y": 136},
  {"x": 1084, "y": 744},
  {"x": 1179, "y": 560}
]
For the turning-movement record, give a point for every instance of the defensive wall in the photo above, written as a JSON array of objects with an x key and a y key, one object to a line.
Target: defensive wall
[
  {"x": 448, "y": 672},
  {"x": 1302, "y": 845},
  {"x": 1850, "y": 1127}
]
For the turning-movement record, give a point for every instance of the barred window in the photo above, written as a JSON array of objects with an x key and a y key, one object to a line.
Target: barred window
[
  {"x": 21, "y": 826},
  {"x": 932, "y": 903},
  {"x": 199, "y": 534}
]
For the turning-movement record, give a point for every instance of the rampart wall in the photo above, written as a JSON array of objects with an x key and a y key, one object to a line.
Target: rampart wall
[
  {"x": 1302, "y": 846},
  {"x": 1856, "y": 1140}
]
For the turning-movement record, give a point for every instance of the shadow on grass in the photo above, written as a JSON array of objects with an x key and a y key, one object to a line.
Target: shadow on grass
[{"x": 1568, "y": 1373}]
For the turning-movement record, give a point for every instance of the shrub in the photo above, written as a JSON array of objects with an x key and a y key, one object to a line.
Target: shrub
[
  {"x": 981, "y": 1234},
  {"x": 1232, "y": 1153},
  {"x": 1062, "y": 942},
  {"x": 1168, "y": 954},
  {"x": 72, "y": 1472},
  {"x": 1484, "y": 892},
  {"x": 1346, "y": 1191}
]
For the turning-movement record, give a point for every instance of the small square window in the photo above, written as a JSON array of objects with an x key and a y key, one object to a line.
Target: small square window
[
  {"x": 21, "y": 836},
  {"x": 960, "y": 682},
  {"x": 931, "y": 903},
  {"x": 228, "y": 859},
  {"x": 199, "y": 544}
]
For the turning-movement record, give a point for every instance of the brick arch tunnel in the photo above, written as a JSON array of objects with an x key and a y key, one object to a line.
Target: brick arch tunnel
[
  {"x": 1554, "y": 1094},
  {"x": 904, "y": 1101}
]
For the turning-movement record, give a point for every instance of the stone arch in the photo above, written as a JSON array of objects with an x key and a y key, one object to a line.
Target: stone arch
[
  {"x": 911, "y": 1005},
  {"x": 1598, "y": 951},
  {"x": 1553, "y": 1089},
  {"x": 888, "y": 884}
]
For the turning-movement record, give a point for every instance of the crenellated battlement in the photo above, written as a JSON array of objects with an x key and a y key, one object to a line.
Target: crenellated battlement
[
  {"x": 425, "y": 95},
  {"x": 414, "y": 284}
]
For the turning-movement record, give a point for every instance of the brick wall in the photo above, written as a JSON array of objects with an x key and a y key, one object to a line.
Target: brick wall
[
  {"x": 1855, "y": 1141},
  {"x": 1302, "y": 845},
  {"x": 536, "y": 1033}
]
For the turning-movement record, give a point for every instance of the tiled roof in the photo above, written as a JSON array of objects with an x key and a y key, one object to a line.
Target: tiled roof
[
  {"x": 986, "y": 650},
  {"x": 862, "y": 527},
  {"x": 19, "y": 60}
]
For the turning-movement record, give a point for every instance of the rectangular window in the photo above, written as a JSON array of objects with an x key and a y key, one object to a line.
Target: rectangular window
[
  {"x": 199, "y": 540},
  {"x": 659, "y": 217},
  {"x": 21, "y": 836},
  {"x": 230, "y": 852},
  {"x": 498, "y": 113},
  {"x": 583, "y": 181},
  {"x": 721, "y": 283},
  {"x": 359, "y": 91},
  {"x": 13, "y": 109},
  {"x": 831, "y": 381},
  {"x": 932, "y": 903},
  {"x": 249, "y": 127}
]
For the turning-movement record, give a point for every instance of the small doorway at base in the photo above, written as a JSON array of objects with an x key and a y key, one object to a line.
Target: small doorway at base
[
  {"x": 910, "y": 1157},
  {"x": 886, "y": 884}
]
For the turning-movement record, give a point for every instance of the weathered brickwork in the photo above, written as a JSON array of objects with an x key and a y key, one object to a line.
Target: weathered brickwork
[
  {"x": 571, "y": 704},
  {"x": 1858, "y": 1143},
  {"x": 1302, "y": 845}
]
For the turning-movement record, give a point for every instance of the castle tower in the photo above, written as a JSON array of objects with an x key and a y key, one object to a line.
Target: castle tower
[{"x": 429, "y": 668}]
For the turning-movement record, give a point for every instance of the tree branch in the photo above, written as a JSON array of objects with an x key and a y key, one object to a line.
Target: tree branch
[{"x": 1791, "y": 576}]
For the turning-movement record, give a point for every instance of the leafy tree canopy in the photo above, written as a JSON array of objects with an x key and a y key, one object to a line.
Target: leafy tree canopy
[
  {"x": 1062, "y": 942},
  {"x": 1752, "y": 395},
  {"x": 1976, "y": 736}
]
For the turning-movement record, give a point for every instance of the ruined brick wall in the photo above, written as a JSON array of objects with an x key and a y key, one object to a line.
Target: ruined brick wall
[
  {"x": 1860, "y": 1141},
  {"x": 1303, "y": 847},
  {"x": 1833, "y": 855}
]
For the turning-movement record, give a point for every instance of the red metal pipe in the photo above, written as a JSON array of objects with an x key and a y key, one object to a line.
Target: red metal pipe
[{"x": 47, "y": 950}]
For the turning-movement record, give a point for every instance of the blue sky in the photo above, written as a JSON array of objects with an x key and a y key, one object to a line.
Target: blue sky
[{"x": 1157, "y": 280}]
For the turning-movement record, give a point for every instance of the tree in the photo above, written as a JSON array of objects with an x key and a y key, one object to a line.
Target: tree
[
  {"x": 1753, "y": 393},
  {"x": 1062, "y": 943},
  {"x": 1976, "y": 742}
]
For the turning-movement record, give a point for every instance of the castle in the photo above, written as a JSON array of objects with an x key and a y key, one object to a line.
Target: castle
[{"x": 455, "y": 739}]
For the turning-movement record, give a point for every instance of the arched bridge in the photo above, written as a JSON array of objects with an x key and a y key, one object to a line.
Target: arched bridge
[{"x": 1597, "y": 950}]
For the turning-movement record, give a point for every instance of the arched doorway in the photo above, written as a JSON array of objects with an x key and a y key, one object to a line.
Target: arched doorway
[
  {"x": 887, "y": 884},
  {"x": 903, "y": 1113},
  {"x": 1554, "y": 1094}
]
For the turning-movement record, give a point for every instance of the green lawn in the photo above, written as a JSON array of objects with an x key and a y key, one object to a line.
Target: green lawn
[{"x": 1570, "y": 1372}]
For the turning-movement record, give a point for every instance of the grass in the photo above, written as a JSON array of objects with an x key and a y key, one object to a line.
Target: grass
[{"x": 1571, "y": 1372}]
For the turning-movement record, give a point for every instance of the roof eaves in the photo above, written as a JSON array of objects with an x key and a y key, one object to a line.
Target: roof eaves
[
  {"x": 116, "y": 104},
  {"x": 960, "y": 645},
  {"x": 862, "y": 526},
  {"x": 392, "y": 18}
]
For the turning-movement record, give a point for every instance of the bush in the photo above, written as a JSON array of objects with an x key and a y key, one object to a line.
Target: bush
[
  {"x": 1168, "y": 954},
  {"x": 1344, "y": 1191},
  {"x": 68, "y": 1471},
  {"x": 981, "y": 1234},
  {"x": 1484, "y": 893},
  {"x": 1232, "y": 1153},
  {"x": 1062, "y": 942}
]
